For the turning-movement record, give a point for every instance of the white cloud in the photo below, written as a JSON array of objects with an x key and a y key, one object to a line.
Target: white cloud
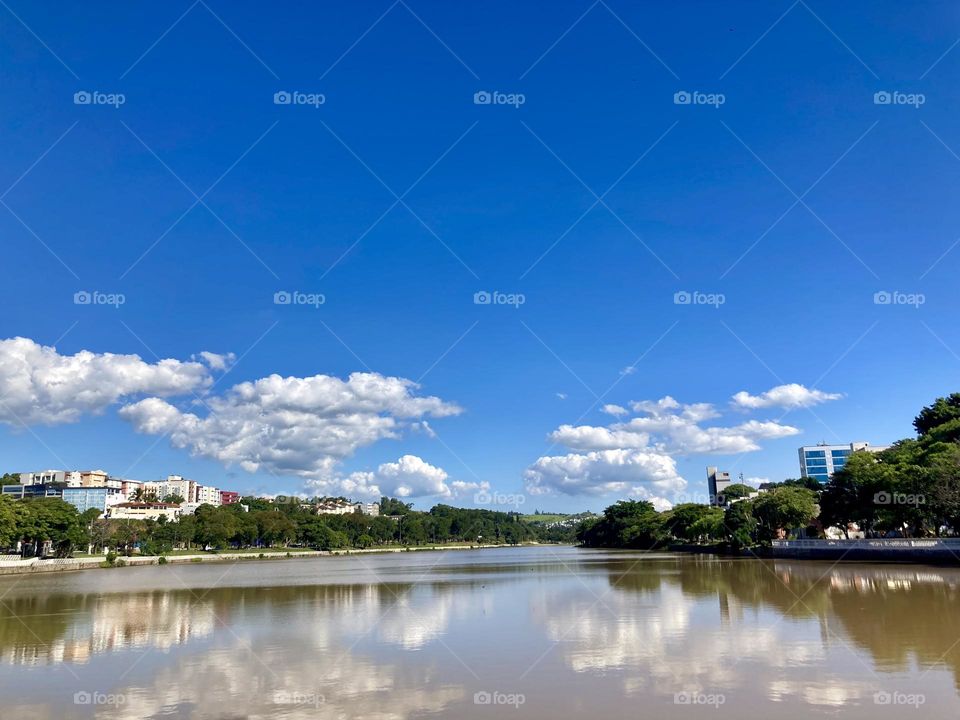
[
  {"x": 642, "y": 473},
  {"x": 289, "y": 425},
  {"x": 789, "y": 396},
  {"x": 561, "y": 396},
  {"x": 408, "y": 477},
  {"x": 216, "y": 361},
  {"x": 39, "y": 386},
  {"x": 636, "y": 457},
  {"x": 615, "y": 410}
]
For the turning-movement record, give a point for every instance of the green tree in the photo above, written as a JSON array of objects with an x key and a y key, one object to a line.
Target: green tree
[
  {"x": 736, "y": 491},
  {"x": 740, "y": 523},
  {"x": 392, "y": 506},
  {"x": 9, "y": 479},
  {"x": 696, "y": 522},
  {"x": 9, "y": 531},
  {"x": 782, "y": 509},
  {"x": 627, "y": 523},
  {"x": 942, "y": 411},
  {"x": 50, "y": 519}
]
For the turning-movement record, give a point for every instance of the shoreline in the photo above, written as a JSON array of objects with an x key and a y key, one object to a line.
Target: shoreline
[
  {"x": 97, "y": 562},
  {"x": 912, "y": 551}
]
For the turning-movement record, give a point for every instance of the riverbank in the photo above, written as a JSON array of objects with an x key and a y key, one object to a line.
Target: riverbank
[
  {"x": 94, "y": 562},
  {"x": 930, "y": 551}
]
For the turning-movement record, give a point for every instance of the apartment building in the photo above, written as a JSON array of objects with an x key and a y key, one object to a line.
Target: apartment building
[
  {"x": 336, "y": 506},
  {"x": 143, "y": 511},
  {"x": 821, "y": 461}
]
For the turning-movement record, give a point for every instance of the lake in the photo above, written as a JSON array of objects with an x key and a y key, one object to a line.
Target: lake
[{"x": 533, "y": 632}]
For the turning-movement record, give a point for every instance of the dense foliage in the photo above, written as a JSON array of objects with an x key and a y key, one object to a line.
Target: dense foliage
[
  {"x": 265, "y": 523},
  {"x": 911, "y": 489}
]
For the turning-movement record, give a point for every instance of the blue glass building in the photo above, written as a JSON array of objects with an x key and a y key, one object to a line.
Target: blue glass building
[{"x": 821, "y": 461}]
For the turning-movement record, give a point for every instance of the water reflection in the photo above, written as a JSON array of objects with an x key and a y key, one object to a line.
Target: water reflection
[
  {"x": 407, "y": 638},
  {"x": 882, "y": 619}
]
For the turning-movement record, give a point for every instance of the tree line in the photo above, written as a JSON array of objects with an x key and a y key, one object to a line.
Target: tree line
[
  {"x": 911, "y": 489},
  {"x": 261, "y": 524}
]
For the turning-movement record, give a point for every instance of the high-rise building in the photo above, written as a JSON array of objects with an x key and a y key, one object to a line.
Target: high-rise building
[
  {"x": 821, "y": 461},
  {"x": 717, "y": 482}
]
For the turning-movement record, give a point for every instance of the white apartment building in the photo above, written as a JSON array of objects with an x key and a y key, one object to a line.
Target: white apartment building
[
  {"x": 143, "y": 511},
  {"x": 71, "y": 478},
  {"x": 191, "y": 491},
  {"x": 332, "y": 506},
  {"x": 208, "y": 495}
]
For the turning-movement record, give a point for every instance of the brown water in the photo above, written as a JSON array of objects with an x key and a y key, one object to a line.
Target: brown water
[{"x": 544, "y": 632}]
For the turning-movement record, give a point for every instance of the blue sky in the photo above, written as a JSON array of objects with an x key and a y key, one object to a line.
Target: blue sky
[{"x": 598, "y": 199}]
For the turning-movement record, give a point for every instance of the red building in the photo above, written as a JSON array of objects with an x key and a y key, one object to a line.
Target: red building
[{"x": 229, "y": 498}]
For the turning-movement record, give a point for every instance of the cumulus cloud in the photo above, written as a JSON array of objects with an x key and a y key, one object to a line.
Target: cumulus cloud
[
  {"x": 615, "y": 410},
  {"x": 648, "y": 474},
  {"x": 39, "y": 386},
  {"x": 408, "y": 477},
  {"x": 217, "y": 361},
  {"x": 636, "y": 456},
  {"x": 789, "y": 397},
  {"x": 294, "y": 426}
]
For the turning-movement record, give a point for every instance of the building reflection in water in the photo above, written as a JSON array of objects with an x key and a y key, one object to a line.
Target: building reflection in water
[{"x": 637, "y": 629}]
